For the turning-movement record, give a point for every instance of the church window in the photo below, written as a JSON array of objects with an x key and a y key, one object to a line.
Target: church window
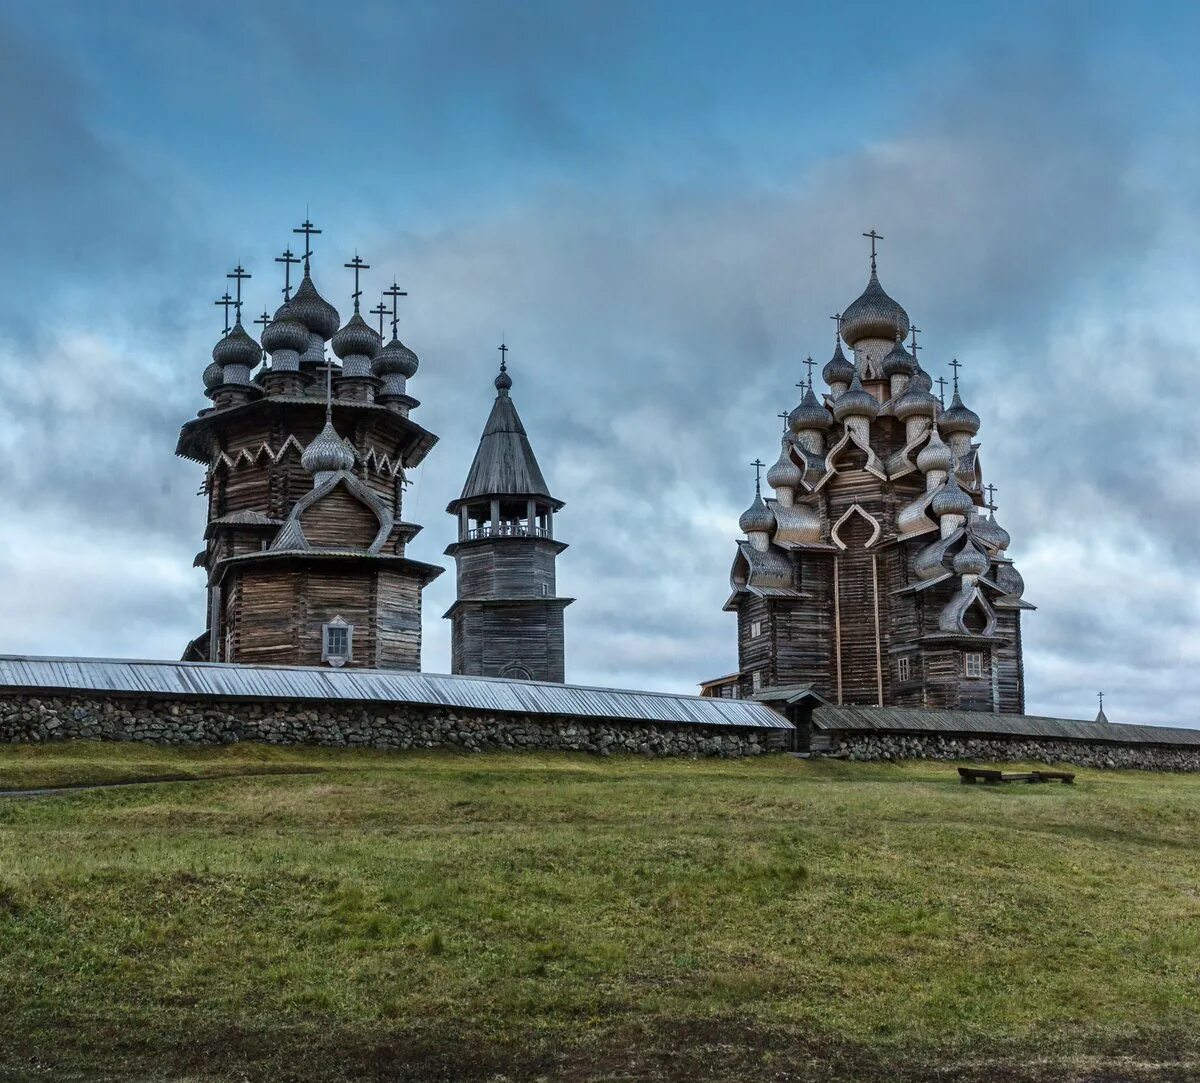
[
  {"x": 337, "y": 642},
  {"x": 756, "y": 680},
  {"x": 973, "y": 664},
  {"x": 904, "y": 668},
  {"x": 755, "y": 629}
]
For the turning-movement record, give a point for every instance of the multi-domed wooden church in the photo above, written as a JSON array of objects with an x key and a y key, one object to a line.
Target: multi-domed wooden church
[{"x": 873, "y": 575}]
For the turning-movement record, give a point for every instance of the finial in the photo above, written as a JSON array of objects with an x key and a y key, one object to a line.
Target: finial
[
  {"x": 1100, "y": 695},
  {"x": 837, "y": 332},
  {"x": 503, "y": 357},
  {"x": 991, "y": 491},
  {"x": 308, "y": 229},
  {"x": 287, "y": 259},
  {"x": 941, "y": 382},
  {"x": 809, "y": 362},
  {"x": 913, "y": 328},
  {"x": 358, "y": 266},
  {"x": 238, "y": 273},
  {"x": 394, "y": 293},
  {"x": 758, "y": 465},
  {"x": 874, "y": 237},
  {"x": 264, "y": 319},
  {"x": 225, "y": 300},
  {"x": 380, "y": 310},
  {"x": 956, "y": 364},
  {"x": 785, "y": 415}
]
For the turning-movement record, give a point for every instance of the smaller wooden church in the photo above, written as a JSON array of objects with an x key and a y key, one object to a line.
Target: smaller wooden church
[
  {"x": 877, "y": 574},
  {"x": 305, "y": 461}
]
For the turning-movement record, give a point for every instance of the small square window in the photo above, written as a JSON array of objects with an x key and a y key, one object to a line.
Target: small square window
[
  {"x": 337, "y": 642},
  {"x": 755, "y": 629},
  {"x": 756, "y": 680},
  {"x": 904, "y": 668},
  {"x": 973, "y": 665}
]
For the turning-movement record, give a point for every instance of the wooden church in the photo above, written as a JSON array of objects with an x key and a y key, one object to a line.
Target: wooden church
[
  {"x": 304, "y": 463},
  {"x": 877, "y": 574}
]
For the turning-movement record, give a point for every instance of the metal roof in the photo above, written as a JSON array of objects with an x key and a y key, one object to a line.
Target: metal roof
[
  {"x": 919, "y": 719},
  {"x": 237, "y": 682}
]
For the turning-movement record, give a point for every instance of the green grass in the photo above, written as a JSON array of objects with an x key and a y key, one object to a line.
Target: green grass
[{"x": 434, "y": 916}]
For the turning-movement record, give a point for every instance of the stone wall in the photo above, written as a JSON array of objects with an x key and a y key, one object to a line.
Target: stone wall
[
  {"x": 25, "y": 718},
  {"x": 874, "y": 747}
]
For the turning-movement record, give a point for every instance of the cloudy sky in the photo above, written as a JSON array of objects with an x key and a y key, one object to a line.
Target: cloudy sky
[{"x": 659, "y": 204}]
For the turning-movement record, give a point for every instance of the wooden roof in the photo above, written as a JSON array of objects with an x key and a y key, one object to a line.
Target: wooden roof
[{"x": 504, "y": 463}]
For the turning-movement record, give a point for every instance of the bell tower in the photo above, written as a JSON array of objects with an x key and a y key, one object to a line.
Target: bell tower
[{"x": 507, "y": 620}]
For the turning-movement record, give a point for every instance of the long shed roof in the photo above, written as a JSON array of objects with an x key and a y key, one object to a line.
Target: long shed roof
[
  {"x": 920, "y": 719},
  {"x": 207, "y": 679}
]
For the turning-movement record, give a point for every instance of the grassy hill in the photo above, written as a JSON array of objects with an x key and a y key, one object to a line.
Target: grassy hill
[{"x": 369, "y": 916}]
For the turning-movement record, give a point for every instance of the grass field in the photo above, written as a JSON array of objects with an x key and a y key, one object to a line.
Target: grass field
[{"x": 436, "y": 916}]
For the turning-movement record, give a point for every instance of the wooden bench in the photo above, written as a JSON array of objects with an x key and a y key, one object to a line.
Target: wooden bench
[{"x": 968, "y": 776}]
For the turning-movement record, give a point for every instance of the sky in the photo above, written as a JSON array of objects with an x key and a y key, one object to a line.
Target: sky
[{"x": 658, "y": 205}]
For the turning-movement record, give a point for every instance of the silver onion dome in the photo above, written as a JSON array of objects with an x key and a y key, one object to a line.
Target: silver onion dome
[
  {"x": 503, "y": 381},
  {"x": 811, "y": 414},
  {"x": 785, "y": 474},
  {"x": 935, "y": 455},
  {"x": 917, "y": 400},
  {"x": 855, "y": 402},
  {"x": 213, "y": 376},
  {"x": 899, "y": 362},
  {"x": 237, "y": 348},
  {"x": 328, "y": 452},
  {"x": 285, "y": 332},
  {"x": 312, "y": 310},
  {"x": 757, "y": 518},
  {"x": 1009, "y": 580},
  {"x": 874, "y": 315},
  {"x": 837, "y": 369},
  {"x": 396, "y": 359},
  {"x": 950, "y": 499},
  {"x": 970, "y": 561},
  {"x": 958, "y": 418},
  {"x": 356, "y": 339},
  {"x": 921, "y": 380},
  {"x": 991, "y": 533}
]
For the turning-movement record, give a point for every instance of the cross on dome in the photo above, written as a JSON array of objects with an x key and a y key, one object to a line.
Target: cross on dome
[
  {"x": 380, "y": 310},
  {"x": 394, "y": 292},
  {"x": 308, "y": 229},
  {"x": 225, "y": 300},
  {"x": 874, "y": 237},
  {"x": 358, "y": 266},
  {"x": 287, "y": 259}
]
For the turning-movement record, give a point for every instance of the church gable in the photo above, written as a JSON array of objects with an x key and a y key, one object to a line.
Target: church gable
[{"x": 339, "y": 520}]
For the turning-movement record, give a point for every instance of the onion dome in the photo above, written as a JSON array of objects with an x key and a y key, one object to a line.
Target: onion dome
[
  {"x": 855, "y": 402},
  {"x": 921, "y": 380},
  {"x": 970, "y": 561},
  {"x": 396, "y": 359},
  {"x": 837, "y": 369},
  {"x": 213, "y": 376},
  {"x": 991, "y": 533},
  {"x": 312, "y": 310},
  {"x": 285, "y": 332},
  {"x": 757, "y": 518},
  {"x": 914, "y": 402},
  {"x": 237, "y": 348},
  {"x": 811, "y": 414},
  {"x": 504, "y": 381},
  {"x": 785, "y": 474},
  {"x": 950, "y": 499},
  {"x": 1009, "y": 580},
  {"x": 874, "y": 315},
  {"x": 899, "y": 362},
  {"x": 958, "y": 418},
  {"x": 935, "y": 455},
  {"x": 356, "y": 339},
  {"x": 328, "y": 452}
]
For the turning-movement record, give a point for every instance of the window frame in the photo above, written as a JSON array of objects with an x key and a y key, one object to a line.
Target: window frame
[
  {"x": 904, "y": 668},
  {"x": 756, "y": 627},
  {"x": 973, "y": 658},
  {"x": 338, "y": 627}
]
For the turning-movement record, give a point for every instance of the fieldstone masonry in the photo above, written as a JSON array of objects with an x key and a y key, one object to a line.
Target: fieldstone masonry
[{"x": 391, "y": 726}]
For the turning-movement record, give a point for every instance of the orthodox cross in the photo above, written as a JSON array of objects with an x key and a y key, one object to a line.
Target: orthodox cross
[
  {"x": 874, "y": 237},
  {"x": 785, "y": 415},
  {"x": 394, "y": 293},
  {"x": 264, "y": 319},
  {"x": 287, "y": 259},
  {"x": 308, "y": 229},
  {"x": 758, "y": 465},
  {"x": 837, "y": 318},
  {"x": 503, "y": 357},
  {"x": 225, "y": 300},
  {"x": 380, "y": 310},
  {"x": 1101, "y": 698},
  {"x": 357, "y": 266},
  {"x": 956, "y": 364},
  {"x": 991, "y": 491},
  {"x": 810, "y": 363},
  {"x": 239, "y": 273},
  {"x": 914, "y": 329},
  {"x": 941, "y": 382}
]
